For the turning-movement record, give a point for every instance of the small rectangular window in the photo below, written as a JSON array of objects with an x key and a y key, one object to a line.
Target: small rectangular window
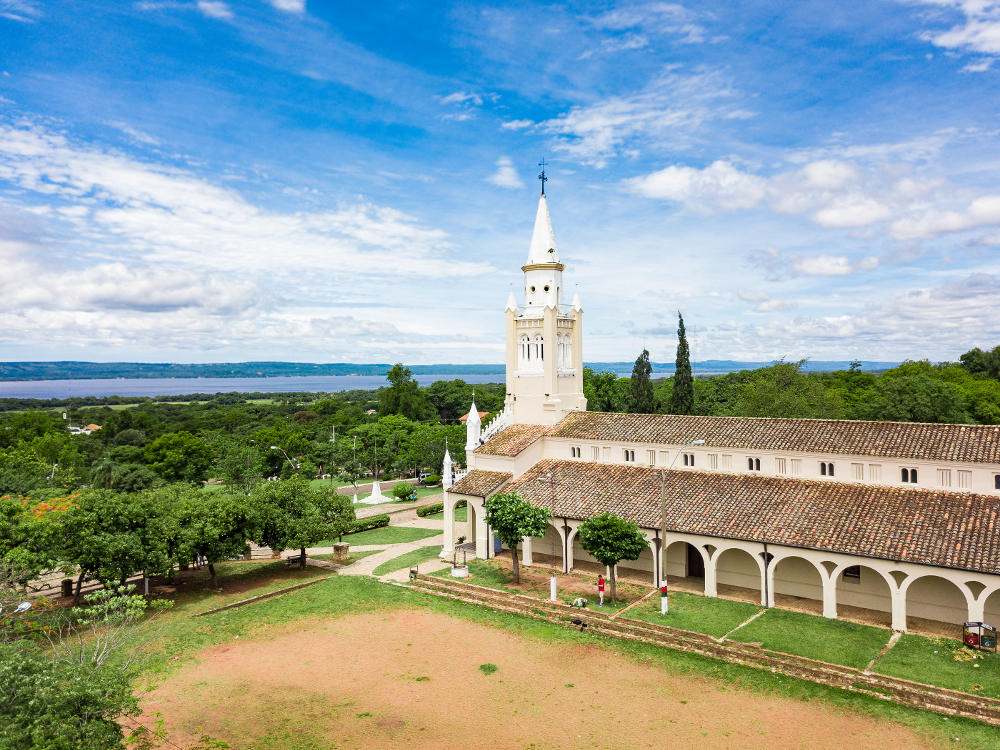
[
  {"x": 858, "y": 472},
  {"x": 664, "y": 458},
  {"x": 964, "y": 479},
  {"x": 595, "y": 453},
  {"x": 874, "y": 472},
  {"x": 651, "y": 457},
  {"x": 853, "y": 573},
  {"x": 727, "y": 461},
  {"x": 606, "y": 454},
  {"x": 713, "y": 460},
  {"x": 796, "y": 468},
  {"x": 944, "y": 477},
  {"x": 996, "y": 481},
  {"x": 780, "y": 466}
]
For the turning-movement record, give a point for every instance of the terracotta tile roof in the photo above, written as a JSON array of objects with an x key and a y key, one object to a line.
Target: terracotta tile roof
[
  {"x": 941, "y": 442},
  {"x": 954, "y": 530},
  {"x": 513, "y": 440},
  {"x": 480, "y": 483}
]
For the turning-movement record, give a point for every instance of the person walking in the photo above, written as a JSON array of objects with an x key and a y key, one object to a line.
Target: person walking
[{"x": 600, "y": 589}]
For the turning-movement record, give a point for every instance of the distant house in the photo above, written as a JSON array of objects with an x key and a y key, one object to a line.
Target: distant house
[
  {"x": 465, "y": 417},
  {"x": 83, "y": 430},
  {"x": 369, "y": 411}
]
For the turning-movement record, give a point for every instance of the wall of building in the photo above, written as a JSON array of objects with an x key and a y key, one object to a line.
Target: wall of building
[
  {"x": 934, "y": 598},
  {"x": 735, "y": 567},
  {"x": 981, "y": 476}
]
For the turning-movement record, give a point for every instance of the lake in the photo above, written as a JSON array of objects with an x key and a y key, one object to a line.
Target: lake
[{"x": 181, "y": 386}]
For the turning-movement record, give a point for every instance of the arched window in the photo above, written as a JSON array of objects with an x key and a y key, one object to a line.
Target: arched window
[
  {"x": 540, "y": 349},
  {"x": 525, "y": 351},
  {"x": 908, "y": 475},
  {"x": 996, "y": 482}
]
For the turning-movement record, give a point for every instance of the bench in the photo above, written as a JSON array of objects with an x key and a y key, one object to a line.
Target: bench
[{"x": 296, "y": 560}]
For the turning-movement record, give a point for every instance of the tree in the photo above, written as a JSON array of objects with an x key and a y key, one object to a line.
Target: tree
[
  {"x": 512, "y": 518},
  {"x": 915, "y": 398},
  {"x": 783, "y": 390},
  {"x": 682, "y": 397},
  {"x": 180, "y": 457},
  {"x": 289, "y": 514},
  {"x": 111, "y": 535},
  {"x": 402, "y": 490},
  {"x": 403, "y": 396},
  {"x": 605, "y": 391},
  {"x": 610, "y": 539},
  {"x": 978, "y": 362},
  {"x": 216, "y": 525},
  {"x": 640, "y": 398}
]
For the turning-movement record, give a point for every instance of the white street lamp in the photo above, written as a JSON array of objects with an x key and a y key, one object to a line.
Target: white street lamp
[{"x": 662, "y": 474}]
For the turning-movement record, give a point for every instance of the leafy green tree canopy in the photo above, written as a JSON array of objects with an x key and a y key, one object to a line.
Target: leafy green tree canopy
[
  {"x": 611, "y": 539},
  {"x": 403, "y": 396},
  {"x": 512, "y": 518},
  {"x": 180, "y": 457},
  {"x": 682, "y": 395},
  {"x": 641, "y": 399}
]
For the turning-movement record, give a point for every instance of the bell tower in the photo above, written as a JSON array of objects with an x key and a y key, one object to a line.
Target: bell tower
[{"x": 544, "y": 340}]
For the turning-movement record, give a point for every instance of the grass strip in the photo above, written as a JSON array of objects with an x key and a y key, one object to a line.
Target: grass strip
[{"x": 405, "y": 561}]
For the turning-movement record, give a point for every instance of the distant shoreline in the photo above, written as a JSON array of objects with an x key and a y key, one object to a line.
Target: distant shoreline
[{"x": 78, "y": 370}]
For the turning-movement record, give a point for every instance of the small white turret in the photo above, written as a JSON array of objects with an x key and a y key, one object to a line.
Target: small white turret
[
  {"x": 576, "y": 301},
  {"x": 511, "y": 302},
  {"x": 473, "y": 429},
  {"x": 446, "y": 475}
]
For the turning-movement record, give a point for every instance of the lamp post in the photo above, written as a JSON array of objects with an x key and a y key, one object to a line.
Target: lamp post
[
  {"x": 22, "y": 607},
  {"x": 662, "y": 474},
  {"x": 551, "y": 482},
  {"x": 293, "y": 464}
]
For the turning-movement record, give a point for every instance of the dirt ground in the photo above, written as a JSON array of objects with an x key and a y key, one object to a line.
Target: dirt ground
[{"x": 411, "y": 678}]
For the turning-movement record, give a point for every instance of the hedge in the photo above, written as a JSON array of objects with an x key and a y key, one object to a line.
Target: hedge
[
  {"x": 430, "y": 510},
  {"x": 372, "y": 522}
]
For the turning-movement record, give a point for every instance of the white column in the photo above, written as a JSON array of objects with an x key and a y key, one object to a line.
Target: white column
[
  {"x": 711, "y": 587},
  {"x": 656, "y": 562},
  {"x": 526, "y": 551},
  {"x": 449, "y": 525},
  {"x": 482, "y": 538},
  {"x": 569, "y": 549},
  {"x": 977, "y": 607},
  {"x": 898, "y": 608},
  {"x": 770, "y": 584},
  {"x": 829, "y": 594}
]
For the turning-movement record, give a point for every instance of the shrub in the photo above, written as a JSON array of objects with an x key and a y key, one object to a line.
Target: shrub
[
  {"x": 432, "y": 479},
  {"x": 403, "y": 491},
  {"x": 430, "y": 510},
  {"x": 372, "y": 522}
]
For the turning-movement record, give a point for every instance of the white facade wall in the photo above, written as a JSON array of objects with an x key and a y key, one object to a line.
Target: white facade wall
[{"x": 981, "y": 477}]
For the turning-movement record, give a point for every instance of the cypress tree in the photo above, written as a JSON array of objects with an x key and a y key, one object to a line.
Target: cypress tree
[
  {"x": 682, "y": 400},
  {"x": 641, "y": 399}
]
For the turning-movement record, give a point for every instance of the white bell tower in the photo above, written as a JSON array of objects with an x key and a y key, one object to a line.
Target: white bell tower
[{"x": 544, "y": 341}]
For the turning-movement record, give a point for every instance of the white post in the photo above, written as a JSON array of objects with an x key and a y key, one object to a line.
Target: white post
[
  {"x": 552, "y": 588},
  {"x": 664, "y": 602},
  {"x": 446, "y": 474},
  {"x": 449, "y": 525},
  {"x": 711, "y": 576},
  {"x": 526, "y": 551},
  {"x": 571, "y": 537},
  {"x": 770, "y": 584}
]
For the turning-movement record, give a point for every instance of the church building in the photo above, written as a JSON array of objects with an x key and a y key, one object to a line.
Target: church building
[{"x": 888, "y": 521}]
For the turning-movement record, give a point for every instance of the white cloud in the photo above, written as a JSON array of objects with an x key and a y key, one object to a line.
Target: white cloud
[
  {"x": 291, "y": 6},
  {"x": 830, "y": 174},
  {"x": 506, "y": 176},
  {"x": 517, "y": 124},
  {"x": 779, "y": 265},
  {"x": 763, "y": 302},
  {"x": 852, "y": 210},
  {"x": 978, "y": 31},
  {"x": 719, "y": 184},
  {"x": 215, "y": 9},
  {"x": 979, "y": 66},
  {"x": 135, "y": 134},
  {"x": 462, "y": 97},
  {"x": 669, "y": 109},
  {"x": 20, "y": 10},
  {"x": 981, "y": 212}
]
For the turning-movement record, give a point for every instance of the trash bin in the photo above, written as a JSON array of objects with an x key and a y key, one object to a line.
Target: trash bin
[
  {"x": 66, "y": 587},
  {"x": 413, "y": 574}
]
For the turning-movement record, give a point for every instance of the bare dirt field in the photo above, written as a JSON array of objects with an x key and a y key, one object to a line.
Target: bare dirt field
[{"x": 411, "y": 678}]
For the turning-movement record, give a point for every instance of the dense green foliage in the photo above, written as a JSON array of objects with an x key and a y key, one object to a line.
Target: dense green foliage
[
  {"x": 912, "y": 392},
  {"x": 682, "y": 394},
  {"x": 611, "y": 539},
  {"x": 512, "y": 518},
  {"x": 640, "y": 398}
]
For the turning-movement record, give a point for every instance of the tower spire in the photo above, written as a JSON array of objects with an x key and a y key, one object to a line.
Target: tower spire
[{"x": 541, "y": 175}]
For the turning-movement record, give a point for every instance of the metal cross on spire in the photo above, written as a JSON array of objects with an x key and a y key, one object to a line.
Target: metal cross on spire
[{"x": 542, "y": 176}]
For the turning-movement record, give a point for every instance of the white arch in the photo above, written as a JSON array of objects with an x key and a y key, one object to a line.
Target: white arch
[
  {"x": 780, "y": 555},
  {"x": 944, "y": 575}
]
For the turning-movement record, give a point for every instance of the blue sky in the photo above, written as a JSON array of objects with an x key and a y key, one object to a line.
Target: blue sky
[{"x": 199, "y": 180}]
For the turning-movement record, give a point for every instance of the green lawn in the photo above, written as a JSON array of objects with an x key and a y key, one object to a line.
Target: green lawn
[
  {"x": 461, "y": 515},
  {"x": 916, "y": 657},
  {"x": 835, "y": 641},
  {"x": 177, "y": 638},
  {"x": 405, "y": 561},
  {"x": 385, "y": 535},
  {"x": 355, "y": 556},
  {"x": 701, "y": 614}
]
